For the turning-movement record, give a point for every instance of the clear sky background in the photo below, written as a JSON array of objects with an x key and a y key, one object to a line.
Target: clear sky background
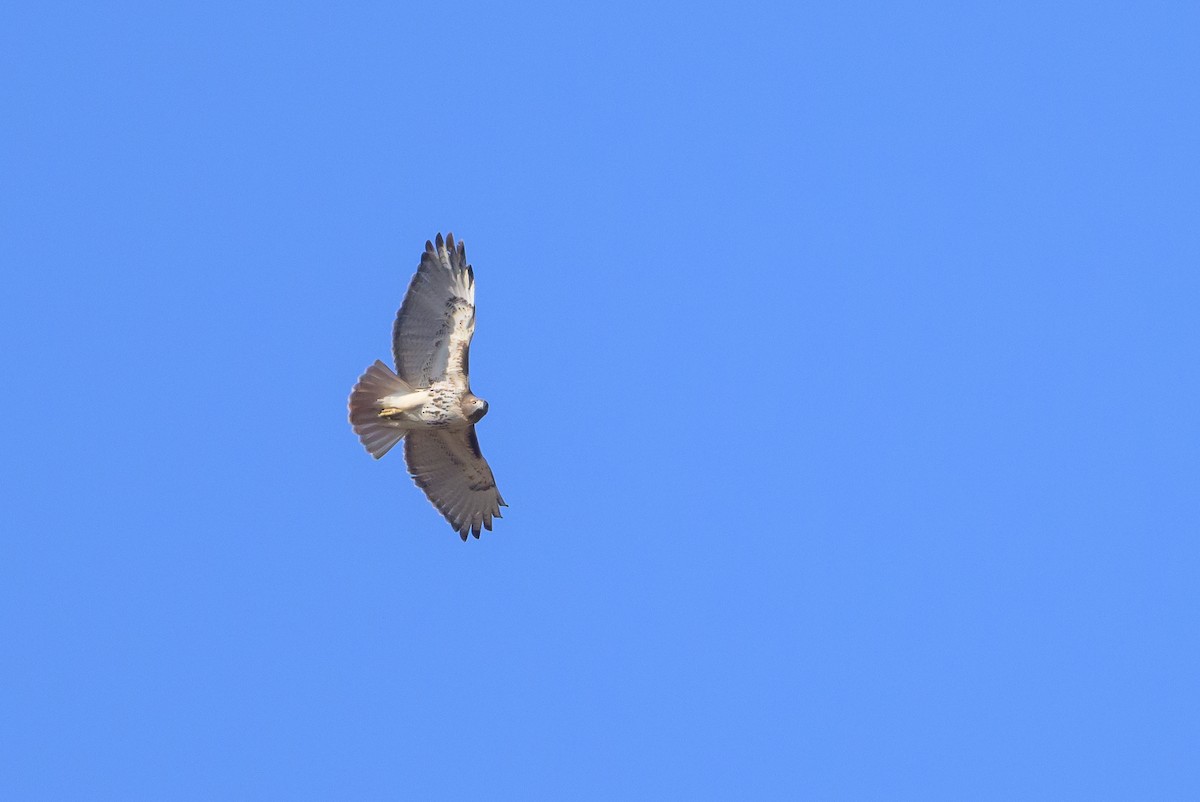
[{"x": 842, "y": 367}]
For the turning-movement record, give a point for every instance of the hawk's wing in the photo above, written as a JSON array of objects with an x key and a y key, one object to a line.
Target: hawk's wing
[
  {"x": 433, "y": 329},
  {"x": 448, "y": 466}
]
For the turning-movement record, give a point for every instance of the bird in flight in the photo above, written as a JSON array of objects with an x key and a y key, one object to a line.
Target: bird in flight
[{"x": 428, "y": 402}]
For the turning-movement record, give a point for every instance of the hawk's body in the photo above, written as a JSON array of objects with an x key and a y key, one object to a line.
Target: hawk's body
[{"x": 429, "y": 404}]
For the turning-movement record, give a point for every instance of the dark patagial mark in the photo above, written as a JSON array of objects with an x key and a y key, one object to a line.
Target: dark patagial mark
[{"x": 473, "y": 442}]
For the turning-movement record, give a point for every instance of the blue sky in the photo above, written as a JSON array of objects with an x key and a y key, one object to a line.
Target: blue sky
[{"x": 842, "y": 370}]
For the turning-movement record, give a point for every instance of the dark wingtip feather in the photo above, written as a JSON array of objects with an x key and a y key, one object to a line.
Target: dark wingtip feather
[
  {"x": 429, "y": 247},
  {"x": 440, "y": 242},
  {"x": 449, "y": 240},
  {"x": 463, "y": 535}
]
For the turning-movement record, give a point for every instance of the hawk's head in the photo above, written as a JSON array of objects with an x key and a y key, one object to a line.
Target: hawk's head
[{"x": 474, "y": 408}]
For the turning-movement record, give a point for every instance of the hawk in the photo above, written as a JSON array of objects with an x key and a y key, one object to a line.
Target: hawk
[{"x": 428, "y": 402}]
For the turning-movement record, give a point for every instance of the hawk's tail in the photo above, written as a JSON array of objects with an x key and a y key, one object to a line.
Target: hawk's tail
[{"x": 377, "y": 434}]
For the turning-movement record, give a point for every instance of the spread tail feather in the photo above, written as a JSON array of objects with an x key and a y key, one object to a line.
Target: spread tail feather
[{"x": 378, "y": 435}]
